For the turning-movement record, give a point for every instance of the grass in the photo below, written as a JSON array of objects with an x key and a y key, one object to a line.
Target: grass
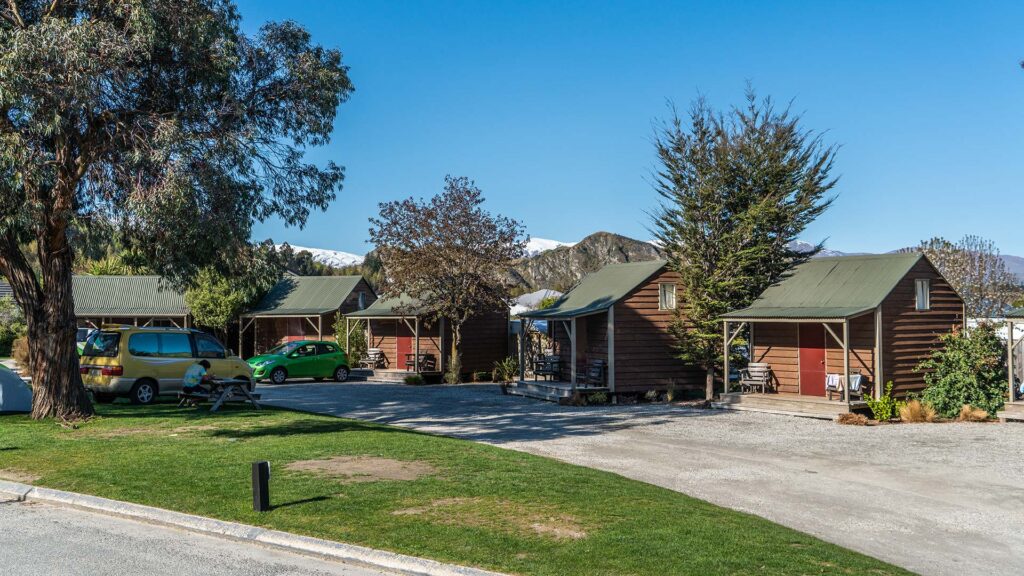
[{"x": 480, "y": 505}]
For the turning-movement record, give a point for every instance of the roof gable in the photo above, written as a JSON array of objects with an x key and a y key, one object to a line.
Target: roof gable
[
  {"x": 835, "y": 287},
  {"x": 113, "y": 296},
  {"x": 391, "y": 307},
  {"x": 600, "y": 290},
  {"x": 306, "y": 295}
]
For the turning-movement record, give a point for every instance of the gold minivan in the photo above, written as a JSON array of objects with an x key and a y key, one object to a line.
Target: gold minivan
[{"x": 142, "y": 363}]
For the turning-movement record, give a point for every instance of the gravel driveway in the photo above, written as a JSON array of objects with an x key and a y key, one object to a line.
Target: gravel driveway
[{"x": 945, "y": 499}]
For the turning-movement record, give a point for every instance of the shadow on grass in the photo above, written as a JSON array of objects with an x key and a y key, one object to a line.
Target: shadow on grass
[
  {"x": 309, "y": 426},
  {"x": 300, "y": 502}
]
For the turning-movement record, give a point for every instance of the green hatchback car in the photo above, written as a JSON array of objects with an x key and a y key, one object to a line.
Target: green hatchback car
[{"x": 301, "y": 359}]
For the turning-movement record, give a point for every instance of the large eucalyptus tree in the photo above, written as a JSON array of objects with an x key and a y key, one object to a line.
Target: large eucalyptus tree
[{"x": 159, "y": 115}]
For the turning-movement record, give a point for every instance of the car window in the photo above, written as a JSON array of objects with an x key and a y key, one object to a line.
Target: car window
[
  {"x": 283, "y": 349},
  {"x": 208, "y": 347},
  {"x": 306, "y": 350},
  {"x": 144, "y": 345},
  {"x": 175, "y": 346},
  {"x": 102, "y": 344},
  {"x": 326, "y": 348},
  {"x": 83, "y": 334}
]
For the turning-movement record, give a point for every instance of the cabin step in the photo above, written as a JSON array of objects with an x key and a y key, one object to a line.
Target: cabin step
[
  {"x": 1012, "y": 412},
  {"x": 550, "y": 391},
  {"x": 785, "y": 405}
]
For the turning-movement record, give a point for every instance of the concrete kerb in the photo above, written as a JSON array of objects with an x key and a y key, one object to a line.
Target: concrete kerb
[{"x": 306, "y": 545}]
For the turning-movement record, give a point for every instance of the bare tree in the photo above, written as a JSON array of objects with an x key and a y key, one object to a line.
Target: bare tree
[
  {"x": 976, "y": 271},
  {"x": 449, "y": 254}
]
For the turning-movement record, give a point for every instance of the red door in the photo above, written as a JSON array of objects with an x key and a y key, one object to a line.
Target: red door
[
  {"x": 812, "y": 359},
  {"x": 404, "y": 338}
]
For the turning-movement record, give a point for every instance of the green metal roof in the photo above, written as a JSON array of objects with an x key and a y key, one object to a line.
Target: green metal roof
[
  {"x": 831, "y": 288},
  {"x": 113, "y": 296},
  {"x": 305, "y": 296},
  {"x": 1015, "y": 313},
  {"x": 600, "y": 290},
  {"x": 391, "y": 307}
]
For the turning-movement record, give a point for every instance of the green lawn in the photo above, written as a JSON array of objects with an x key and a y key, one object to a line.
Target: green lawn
[{"x": 473, "y": 504}]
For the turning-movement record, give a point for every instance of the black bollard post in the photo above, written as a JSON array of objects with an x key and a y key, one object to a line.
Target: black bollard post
[{"x": 261, "y": 486}]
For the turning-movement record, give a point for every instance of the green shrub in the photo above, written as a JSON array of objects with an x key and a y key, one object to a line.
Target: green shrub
[
  {"x": 969, "y": 369},
  {"x": 415, "y": 380},
  {"x": 886, "y": 407},
  {"x": 19, "y": 351},
  {"x": 12, "y": 324},
  {"x": 357, "y": 346},
  {"x": 506, "y": 370},
  {"x": 598, "y": 398},
  {"x": 482, "y": 377}
]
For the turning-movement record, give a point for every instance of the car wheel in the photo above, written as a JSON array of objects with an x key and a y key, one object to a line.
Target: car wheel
[
  {"x": 341, "y": 374},
  {"x": 104, "y": 398},
  {"x": 144, "y": 392},
  {"x": 278, "y": 375}
]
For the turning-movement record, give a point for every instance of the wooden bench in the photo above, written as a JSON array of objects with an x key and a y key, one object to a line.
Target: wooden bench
[
  {"x": 594, "y": 374},
  {"x": 756, "y": 375},
  {"x": 548, "y": 366},
  {"x": 374, "y": 359}
]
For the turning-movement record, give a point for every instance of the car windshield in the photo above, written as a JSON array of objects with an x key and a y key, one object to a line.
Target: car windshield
[
  {"x": 102, "y": 344},
  {"x": 83, "y": 334},
  {"x": 285, "y": 349}
]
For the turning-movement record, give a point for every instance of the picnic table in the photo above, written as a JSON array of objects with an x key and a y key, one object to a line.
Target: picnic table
[{"x": 225, "y": 390}]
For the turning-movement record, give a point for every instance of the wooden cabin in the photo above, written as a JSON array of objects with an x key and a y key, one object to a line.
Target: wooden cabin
[
  {"x": 301, "y": 308},
  {"x": 830, "y": 319},
  {"x": 1014, "y": 409},
  {"x": 128, "y": 300},
  {"x": 610, "y": 334},
  {"x": 412, "y": 341}
]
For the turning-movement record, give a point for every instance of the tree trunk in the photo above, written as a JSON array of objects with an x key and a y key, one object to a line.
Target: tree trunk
[
  {"x": 455, "y": 358},
  {"x": 709, "y": 391}
]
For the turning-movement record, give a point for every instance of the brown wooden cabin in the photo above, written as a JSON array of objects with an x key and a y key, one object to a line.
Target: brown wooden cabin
[
  {"x": 413, "y": 341},
  {"x": 301, "y": 308},
  {"x": 878, "y": 316},
  {"x": 619, "y": 315},
  {"x": 1014, "y": 409}
]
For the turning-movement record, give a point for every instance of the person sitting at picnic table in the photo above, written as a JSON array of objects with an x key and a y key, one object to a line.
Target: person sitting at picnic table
[{"x": 196, "y": 375}]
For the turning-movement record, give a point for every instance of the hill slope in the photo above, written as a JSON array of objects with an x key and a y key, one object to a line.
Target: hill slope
[{"x": 561, "y": 267}]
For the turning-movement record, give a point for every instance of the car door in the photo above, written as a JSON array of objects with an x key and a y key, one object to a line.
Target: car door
[
  {"x": 177, "y": 355},
  {"x": 328, "y": 359},
  {"x": 303, "y": 362}
]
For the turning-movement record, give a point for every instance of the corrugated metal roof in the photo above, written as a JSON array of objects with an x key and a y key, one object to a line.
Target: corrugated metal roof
[
  {"x": 391, "y": 307},
  {"x": 1015, "y": 313},
  {"x": 305, "y": 295},
  {"x": 126, "y": 296},
  {"x": 600, "y": 290},
  {"x": 5, "y": 290},
  {"x": 827, "y": 288}
]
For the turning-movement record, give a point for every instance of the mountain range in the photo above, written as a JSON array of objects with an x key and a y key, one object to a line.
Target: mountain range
[{"x": 555, "y": 265}]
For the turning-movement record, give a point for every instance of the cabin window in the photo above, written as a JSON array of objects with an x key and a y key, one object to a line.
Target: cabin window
[
  {"x": 667, "y": 296},
  {"x": 362, "y": 300},
  {"x": 923, "y": 289}
]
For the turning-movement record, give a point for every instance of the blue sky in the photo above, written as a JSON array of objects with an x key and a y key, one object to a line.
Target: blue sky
[{"x": 549, "y": 106}]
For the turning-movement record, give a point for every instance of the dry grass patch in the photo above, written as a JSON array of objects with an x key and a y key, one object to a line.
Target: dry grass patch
[
  {"x": 501, "y": 516},
  {"x": 364, "y": 468},
  {"x": 851, "y": 419},
  {"x": 917, "y": 411},
  {"x": 971, "y": 414},
  {"x": 13, "y": 475}
]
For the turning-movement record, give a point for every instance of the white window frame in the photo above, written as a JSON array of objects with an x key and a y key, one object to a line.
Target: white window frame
[
  {"x": 663, "y": 303},
  {"x": 922, "y": 294}
]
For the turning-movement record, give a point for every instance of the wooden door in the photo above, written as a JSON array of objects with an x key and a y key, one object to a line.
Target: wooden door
[
  {"x": 404, "y": 341},
  {"x": 812, "y": 360}
]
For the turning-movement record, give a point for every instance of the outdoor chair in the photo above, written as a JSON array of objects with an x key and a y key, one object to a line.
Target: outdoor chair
[
  {"x": 594, "y": 373},
  {"x": 374, "y": 359},
  {"x": 834, "y": 385},
  {"x": 548, "y": 366},
  {"x": 756, "y": 376}
]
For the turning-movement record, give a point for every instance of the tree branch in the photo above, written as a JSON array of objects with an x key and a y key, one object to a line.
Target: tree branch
[{"x": 15, "y": 16}]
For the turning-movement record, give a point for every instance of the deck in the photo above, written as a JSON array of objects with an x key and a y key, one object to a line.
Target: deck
[
  {"x": 1012, "y": 412},
  {"x": 552, "y": 391},
  {"x": 788, "y": 404}
]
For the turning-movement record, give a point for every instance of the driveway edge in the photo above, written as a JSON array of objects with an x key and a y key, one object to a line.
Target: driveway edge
[{"x": 306, "y": 545}]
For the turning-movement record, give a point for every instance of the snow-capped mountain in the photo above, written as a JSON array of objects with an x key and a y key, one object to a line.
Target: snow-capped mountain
[
  {"x": 332, "y": 258},
  {"x": 801, "y": 246},
  {"x": 531, "y": 300},
  {"x": 537, "y": 245}
]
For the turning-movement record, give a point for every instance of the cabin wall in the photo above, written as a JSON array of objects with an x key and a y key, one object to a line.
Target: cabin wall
[
  {"x": 485, "y": 340},
  {"x": 351, "y": 303},
  {"x": 777, "y": 343},
  {"x": 384, "y": 335},
  {"x": 909, "y": 335},
  {"x": 644, "y": 354},
  {"x": 591, "y": 342},
  {"x": 273, "y": 331},
  {"x": 862, "y": 347}
]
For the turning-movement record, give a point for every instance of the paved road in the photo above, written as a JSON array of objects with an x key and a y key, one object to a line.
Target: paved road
[
  {"x": 943, "y": 499},
  {"x": 37, "y": 539}
]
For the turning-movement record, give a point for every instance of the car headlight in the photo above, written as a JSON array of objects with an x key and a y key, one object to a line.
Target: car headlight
[{"x": 262, "y": 363}]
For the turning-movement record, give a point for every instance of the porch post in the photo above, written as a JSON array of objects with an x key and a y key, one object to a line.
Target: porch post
[
  {"x": 241, "y": 330},
  {"x": 572, "y": 347},
  {"x": 1009, "y": 355},
  {"x": 611, "y": 349},
  {"x": 416, "y": 346},
  {"x": 846, "y": 361},
  {"x": 348, "y": 333},
  {"x": 255, "y": 336},
  {"x": 441, "y": 328},
  {"x": 522, "y": 349},
  {"x": 879, "y": 377},
  {"x": 725, "y": 354},
  {"x": 320, "y": 327}
]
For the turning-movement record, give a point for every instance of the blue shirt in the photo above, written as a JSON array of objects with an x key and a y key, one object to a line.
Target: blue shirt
[{"x": 194, "y": 376}]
